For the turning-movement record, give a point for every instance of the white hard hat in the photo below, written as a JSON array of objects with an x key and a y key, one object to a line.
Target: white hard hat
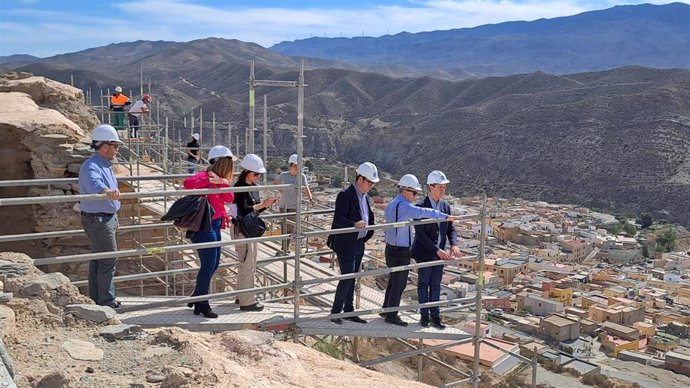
[
  {"x": 292, "y": 159},
  {"x": 105, "y": 133},
  {"x": 118, "y": 89},
  {"x": 409, "y": 181},
  {"x": 369, "y": 171},
  {"x": 196, "y": 136},
  {"x": 437, "y": 177},
  {"x": 219, "y": 151},
  {"x": 253, "y": 163}
]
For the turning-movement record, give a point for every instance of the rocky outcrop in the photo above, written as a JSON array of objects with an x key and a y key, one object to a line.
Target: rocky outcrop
[
  {"x": 45, "y": 127},
  {"x": 52, "y": 348},
  {"x": 50, "y": 94}
]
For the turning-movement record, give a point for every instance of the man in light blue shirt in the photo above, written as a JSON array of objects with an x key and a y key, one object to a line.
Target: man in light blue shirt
[
  {"x": 399, "y": 240},
  {"x": 99, "y": 217}
]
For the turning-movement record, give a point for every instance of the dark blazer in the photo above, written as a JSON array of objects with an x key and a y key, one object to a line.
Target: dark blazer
[
  {"x": 346, "y": 214},
  {"x": 425, "y": 245}
]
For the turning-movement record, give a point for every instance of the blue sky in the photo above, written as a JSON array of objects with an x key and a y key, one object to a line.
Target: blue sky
[{"x": 49, "y": 27}]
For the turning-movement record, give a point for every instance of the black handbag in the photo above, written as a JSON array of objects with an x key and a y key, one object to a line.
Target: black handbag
[{"x": 250, "y": 225}]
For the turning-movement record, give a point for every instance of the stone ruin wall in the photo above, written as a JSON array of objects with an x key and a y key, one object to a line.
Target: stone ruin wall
[{"x": 45, "y": 128}]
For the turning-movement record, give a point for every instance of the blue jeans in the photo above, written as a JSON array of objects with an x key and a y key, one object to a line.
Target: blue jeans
[
  {"x": 192, "y": 169},
  {"x": 350, "y": 262},
  {"x": 101, "y": 229},
  {"x": 429, "y": 289},
  {"x": 209, "y": 259}
]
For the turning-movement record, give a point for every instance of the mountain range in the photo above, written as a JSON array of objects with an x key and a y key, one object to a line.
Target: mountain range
[
  {"x": 645, "y": 35},
  {"x": 617, "y": 139}
]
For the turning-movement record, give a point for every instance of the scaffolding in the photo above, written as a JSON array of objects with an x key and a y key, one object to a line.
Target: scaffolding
[{"x": 155, "y": 167}]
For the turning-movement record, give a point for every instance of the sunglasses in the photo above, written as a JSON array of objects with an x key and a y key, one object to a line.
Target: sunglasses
[
  {"x": 116, "y": 145},
  {"x": 368, "y": 181},
  {"x": 257, "y": 173},
  {"x": 413, "y": 192}
]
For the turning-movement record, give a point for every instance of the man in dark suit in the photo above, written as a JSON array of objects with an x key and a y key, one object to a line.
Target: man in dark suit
[
  {"x": 352, "y": 210},
  {"x": 429, "y": 245}
]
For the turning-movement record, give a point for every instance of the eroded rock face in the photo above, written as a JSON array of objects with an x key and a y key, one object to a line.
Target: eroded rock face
[
  {"x": 45, "y": 127},
  {"x": 50, "y": 94}
]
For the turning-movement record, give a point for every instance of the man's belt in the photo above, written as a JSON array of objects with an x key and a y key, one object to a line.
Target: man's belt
[
  {"x": 397, "y": 248},
  {"x": 97, "y": 214}
]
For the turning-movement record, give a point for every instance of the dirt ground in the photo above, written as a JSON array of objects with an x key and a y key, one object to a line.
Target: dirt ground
[{"x": 38, "y": 329}]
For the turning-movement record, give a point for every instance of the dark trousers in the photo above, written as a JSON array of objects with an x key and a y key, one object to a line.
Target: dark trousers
[
  {"x": 429, "y": 289},
  {"x": 209, "y": 259},
  {"x": 287, "y": 228},
  {"x": 350, "y": 262},
  {"x": 102, "y": 232},
  {"x": 133, "y": 125},
  {"x": 396, "y": 256},
  {"x": 192, "y": 169}
]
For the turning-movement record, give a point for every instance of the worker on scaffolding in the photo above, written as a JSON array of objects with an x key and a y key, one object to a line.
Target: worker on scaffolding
[
  {"x": 399, "y": 240},
  {"x": 193, "y": 156},
  {"x": 429, "y": 245},
  {"x": 118, "y": 101},
  {"x": 352, "y": 209},
  {"x": 99, "y": 216},
  {"x": 288, "y": 197},
  {"x": 135, "y": 114}
]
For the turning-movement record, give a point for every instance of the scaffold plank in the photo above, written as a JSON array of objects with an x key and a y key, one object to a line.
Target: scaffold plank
[
  {"x": 230, "y": 317},
  {"x": 376, "y": 327}
]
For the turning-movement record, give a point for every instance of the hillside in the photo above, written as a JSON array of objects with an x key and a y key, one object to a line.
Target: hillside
[
  {"x": 614, "y": 139},
  {"x": 646, "y": 35}
]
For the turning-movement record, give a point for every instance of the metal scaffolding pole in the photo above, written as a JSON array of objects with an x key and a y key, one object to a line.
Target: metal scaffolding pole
[
  {"x": 300, "y": 154},
  {"x": 265, "y": 136},
  {"x": 250, "y": 130},
  {"x": 478, "y": 305}
]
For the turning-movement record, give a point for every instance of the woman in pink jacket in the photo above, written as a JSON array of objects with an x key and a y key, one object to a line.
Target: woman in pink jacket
[{"x": 217, "y": 175}]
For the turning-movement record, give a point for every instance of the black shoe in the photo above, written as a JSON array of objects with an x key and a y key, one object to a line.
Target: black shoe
[
  {"x": 115, "y": 304},
  {"x": 205, "y": 311},
  {"x": 356, "y": 319},
  {"x": 438, "y": 323},
  {"x": 191, "y": 304},
  {"x": 252, "y": 307},
  {"x": 337, "y": 321},
  {"x": 425, "y": 321},
  {"x": 396, "y": 321},
  {"x": 383, "y": 315}
]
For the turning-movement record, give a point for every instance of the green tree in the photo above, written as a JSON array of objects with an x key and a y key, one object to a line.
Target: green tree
[
  {"x": 666, "y": 241},
  {"x": 274, "y": 165},
  {"x": 615, "y": 229},
  {"x": 374, "y": 192},
  {"x": 337, "y": 181},
  {"x": 646, "y": 220},
  {"x": 308, "y": 164},
  {"x": 630, "y": 229},
  {"x": 645, "y": 250}
]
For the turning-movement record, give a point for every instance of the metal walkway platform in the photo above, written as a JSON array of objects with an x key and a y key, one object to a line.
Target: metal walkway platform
[
  {"x": 229, "y": 315},
  {"x": 231, "y": 318},
  {"x": 376, "y": 327}
]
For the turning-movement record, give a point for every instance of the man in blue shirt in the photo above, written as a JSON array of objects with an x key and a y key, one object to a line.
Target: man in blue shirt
[
  {"x": 99, "y": 217},
  {"x": 429, "y": 245},
  {"x": 352, "y": 210},
  {"x": 399, "y": 240}
]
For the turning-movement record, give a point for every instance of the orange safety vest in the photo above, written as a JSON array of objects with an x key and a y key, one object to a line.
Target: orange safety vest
[{"x": 118, "y": 99}]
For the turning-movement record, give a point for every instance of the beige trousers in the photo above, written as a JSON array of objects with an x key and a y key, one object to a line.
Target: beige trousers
[{"x": 246, "y": 254}]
